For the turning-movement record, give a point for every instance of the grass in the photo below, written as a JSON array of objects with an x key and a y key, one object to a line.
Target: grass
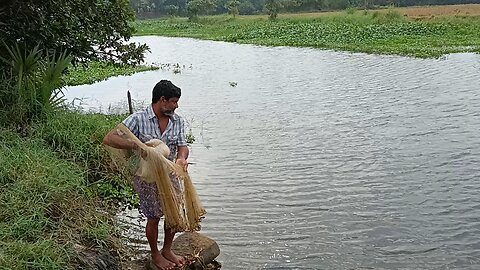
[
  {"x": 99, "y": 71},
  {"x": 78, "y": 138},
  {"x": 53, "y": 185},
  {"x": 57, "y": 185},
  {"x": 45, "y": 210},
  {"x": 381, "y": 32}
]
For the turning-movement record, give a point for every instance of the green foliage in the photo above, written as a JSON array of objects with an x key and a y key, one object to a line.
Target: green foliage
[
  {"x": 190, "y": 137},
  {"x": 41, "y": 254},
  {"x": 387, "y": 17},
  {"x": 99, "y": 71},
  {"x": 352, "y": 32},
  {"x": 78, "y": 138},
  {"x": 335, "y": 4},
  {"x": 232, "y": 7},
  {"x": 87, "y": 29},
  {"x": 198, "y": 7},
  {"x": 172, "y": 10},
  {"x": 45, "y": 210},
  {"x": 272, "y": 7},
  {"x": 350, "y": 10},
  {"x": 32, "y": 84},
  {"x": 115, "y": 191},
  {"x": 159, "y": 8}
]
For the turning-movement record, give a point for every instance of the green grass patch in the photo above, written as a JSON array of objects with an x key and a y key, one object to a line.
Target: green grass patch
[
  {"x": 99, "y": 71},
  {"x": 46, "y": 208},
  {"x": 56, "y": 190},
  {"x": 78, "y": 138},
  {"x": 372, "y": 32}
]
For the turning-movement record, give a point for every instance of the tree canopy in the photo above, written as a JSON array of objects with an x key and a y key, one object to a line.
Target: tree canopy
[
  {"x": 154, "y": 8},
  {"x": 87, "y": 29}
]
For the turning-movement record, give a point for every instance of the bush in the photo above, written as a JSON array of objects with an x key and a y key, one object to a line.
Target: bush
[{"x": 31, "y": 83}]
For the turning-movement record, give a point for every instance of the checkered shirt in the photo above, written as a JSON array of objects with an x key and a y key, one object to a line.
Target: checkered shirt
[{"x": 144, "y": 124}]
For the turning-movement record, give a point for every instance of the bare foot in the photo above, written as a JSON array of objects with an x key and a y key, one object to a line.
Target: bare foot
[
  {"x": 169, "y": 255},
  {"x": 161, "y": 262}
]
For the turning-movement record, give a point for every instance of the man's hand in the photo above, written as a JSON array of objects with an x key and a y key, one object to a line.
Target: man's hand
[
  {"x": 182, "y": 163},
  {"x": 143, "y": 153}
]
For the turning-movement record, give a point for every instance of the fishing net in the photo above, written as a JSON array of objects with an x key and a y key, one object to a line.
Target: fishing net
[{"x": 180, "y": 205}]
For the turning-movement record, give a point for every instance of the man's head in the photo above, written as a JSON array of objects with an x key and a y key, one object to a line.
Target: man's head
[{"x": 165, "y": 96}]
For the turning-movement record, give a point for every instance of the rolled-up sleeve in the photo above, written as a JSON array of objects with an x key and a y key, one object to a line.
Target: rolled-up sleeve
[
  {"x": 131, "y": 122},
  {"x": 182, "y": 138}
]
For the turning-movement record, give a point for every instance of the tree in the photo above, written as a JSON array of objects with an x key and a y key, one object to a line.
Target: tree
[
  {"x": 232, "y": 7},
  {"x": 141, "y": 6},
  {"x": 172, "y": 10},
  {"x": 272, "y": 8},
  {"x": 86, "y": 29},
  {"x": 197, "y": 7},
  {"x": 246, "y": 8}
]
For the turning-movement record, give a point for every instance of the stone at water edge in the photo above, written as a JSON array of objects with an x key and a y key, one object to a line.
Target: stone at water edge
[
  {"x": 95, "y": 259},
  {"x": 194, "y": 245}
]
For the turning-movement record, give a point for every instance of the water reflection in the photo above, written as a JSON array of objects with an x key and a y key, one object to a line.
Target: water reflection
[{"x": 325, "y": 160}]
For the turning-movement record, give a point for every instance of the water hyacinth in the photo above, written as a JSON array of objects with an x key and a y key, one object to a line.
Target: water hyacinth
[{"x": 384, "y": 33}]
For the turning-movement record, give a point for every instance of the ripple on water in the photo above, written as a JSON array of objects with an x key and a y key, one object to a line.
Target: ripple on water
[{"x": 326, "y": 160}]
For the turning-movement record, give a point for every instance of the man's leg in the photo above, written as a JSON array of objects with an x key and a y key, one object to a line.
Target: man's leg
[
  {"x": 152, "y": 236},
  {"x": 167, "y": 249}
]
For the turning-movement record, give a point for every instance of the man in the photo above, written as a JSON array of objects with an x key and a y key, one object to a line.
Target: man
[{"x": 157, "y": 121}]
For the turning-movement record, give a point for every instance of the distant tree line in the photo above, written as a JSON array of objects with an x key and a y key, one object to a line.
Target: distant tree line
[{"x": 191, "y": 8}]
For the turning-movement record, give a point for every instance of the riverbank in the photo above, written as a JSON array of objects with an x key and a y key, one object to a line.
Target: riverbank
[
  {"x": 99, "y": 71},
  {"x": 390, "y": 31},
  {"x": 59, "y": 193},
  {"x": 52, "y": 192}
]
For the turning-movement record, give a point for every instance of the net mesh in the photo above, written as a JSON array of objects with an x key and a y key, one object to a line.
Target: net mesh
[{"x": 181, "y": 207}]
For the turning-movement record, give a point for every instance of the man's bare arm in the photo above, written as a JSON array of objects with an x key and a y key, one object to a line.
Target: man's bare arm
[
  {"x": 116, "y": 141},
  {"x": 182, "y": 156},
  {"x": 182, "y": 152}
]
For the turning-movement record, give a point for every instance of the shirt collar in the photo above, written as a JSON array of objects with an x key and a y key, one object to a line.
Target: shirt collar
[{"x": 150, "y": 112}]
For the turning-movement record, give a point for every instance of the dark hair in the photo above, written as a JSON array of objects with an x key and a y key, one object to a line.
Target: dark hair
[{"x": 167, "y": 89}]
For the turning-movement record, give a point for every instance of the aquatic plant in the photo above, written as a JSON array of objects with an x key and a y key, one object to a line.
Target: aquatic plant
[
  {"x": 386, "y": 32},
  {"x": 98, "y": 71}
]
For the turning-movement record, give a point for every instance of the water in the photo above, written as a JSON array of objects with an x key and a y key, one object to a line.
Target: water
[{"x": 325, "y": 160}]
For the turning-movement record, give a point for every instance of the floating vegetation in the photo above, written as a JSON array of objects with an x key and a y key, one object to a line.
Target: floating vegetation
[
  {"x": 176, "y": 68},
  {"x": 98, "y": 71},
  {"x": 371, "y": 32}
]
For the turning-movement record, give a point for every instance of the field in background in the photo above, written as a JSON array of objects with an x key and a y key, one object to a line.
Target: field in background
[
  {"x": 426, "y": 12},
  {"x": 452, "y": 10},
  {"x": 420, "y": 33}
]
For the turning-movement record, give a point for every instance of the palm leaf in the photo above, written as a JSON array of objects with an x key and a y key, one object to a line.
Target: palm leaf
[{"x": 51, "y": 95}]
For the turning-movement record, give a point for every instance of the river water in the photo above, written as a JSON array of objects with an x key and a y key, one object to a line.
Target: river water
[{"x": 314, "y": 159}]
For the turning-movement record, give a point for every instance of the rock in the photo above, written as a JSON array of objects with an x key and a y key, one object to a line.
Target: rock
[
  {"x": 196, "y": 247},
  {"x": 191, "y": 244},
  {"x": 95, "y": 259}
]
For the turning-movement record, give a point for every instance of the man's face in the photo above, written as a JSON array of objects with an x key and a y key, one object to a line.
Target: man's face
[{"x": 168, "y": 106}]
